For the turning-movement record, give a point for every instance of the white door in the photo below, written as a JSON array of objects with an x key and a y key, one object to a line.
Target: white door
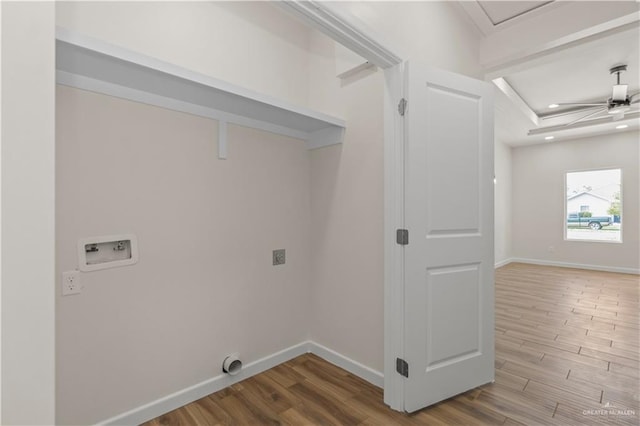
[{"x": 449, "y": 266}]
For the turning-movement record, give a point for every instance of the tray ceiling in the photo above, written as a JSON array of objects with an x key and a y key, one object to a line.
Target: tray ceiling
[
  {"x": 567, "y": 51},
  {"x": 502, "y": 11}
]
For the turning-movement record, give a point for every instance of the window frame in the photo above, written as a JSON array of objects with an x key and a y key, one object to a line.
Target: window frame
[{"x": 566, "y": 212}]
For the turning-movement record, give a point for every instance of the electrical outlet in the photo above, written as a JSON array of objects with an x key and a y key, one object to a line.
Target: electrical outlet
[
  {"x": 71, "y": 283},
  {"x": 278, "y": 257}
]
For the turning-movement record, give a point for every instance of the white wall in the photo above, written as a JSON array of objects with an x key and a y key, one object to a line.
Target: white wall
[
  {"x": 251, "y": 44},
  {"x": 503, "y": 210},
  {"x": 27, "y": 164},
  {"x": 204, "y": 286},
  {"x": 347, "y": 181},
  {"x": 436, "y": 32},
  {"x": 538, "y": 180}
]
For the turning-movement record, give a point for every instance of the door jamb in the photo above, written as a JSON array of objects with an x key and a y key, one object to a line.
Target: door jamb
[{"x": 394, "y": 156}]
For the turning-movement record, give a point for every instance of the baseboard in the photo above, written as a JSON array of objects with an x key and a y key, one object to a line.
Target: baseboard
[
  {"x": 185, "y": 396},
  {"x": 372, "y": 376},
  {"x": 577, "y": 265},
  {"x": 503, "y": 263}
]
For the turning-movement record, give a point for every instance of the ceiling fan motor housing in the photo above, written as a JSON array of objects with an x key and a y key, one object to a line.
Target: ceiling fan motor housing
[
  {"x": 619, "y": 101},
  {"x": 618, "y": 69}
]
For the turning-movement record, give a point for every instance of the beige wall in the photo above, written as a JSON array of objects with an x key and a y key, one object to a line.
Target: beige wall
[
  {"x": 347, "y": 202},
  {"x": 503, "y": 210},
  {"x": 538, "y": 200},
  {"x": 204, "y": 286}
]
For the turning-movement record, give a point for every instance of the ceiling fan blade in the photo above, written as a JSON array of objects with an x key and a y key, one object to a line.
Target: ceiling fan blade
[
  {"x": 635, "y": 102},
  {"x": 572, "y": 112},
  {"x": 583, "y": 104},
  {"x": 619, "y": 92},
  {"x": 633, "y": 95},
  {"x": 591, "y": 114}
]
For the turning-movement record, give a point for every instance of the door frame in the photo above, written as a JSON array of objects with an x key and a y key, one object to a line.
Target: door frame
[{"x": 394, "y": 203}]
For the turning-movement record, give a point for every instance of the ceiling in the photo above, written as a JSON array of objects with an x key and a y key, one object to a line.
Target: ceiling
[{"x": 576, "y": 73}]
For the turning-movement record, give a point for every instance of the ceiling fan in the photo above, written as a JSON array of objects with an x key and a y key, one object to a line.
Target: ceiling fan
[{"x": 616, "y": 106}]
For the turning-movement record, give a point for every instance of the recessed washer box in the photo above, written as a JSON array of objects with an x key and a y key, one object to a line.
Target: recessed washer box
[{"x": 95, "y": 253}]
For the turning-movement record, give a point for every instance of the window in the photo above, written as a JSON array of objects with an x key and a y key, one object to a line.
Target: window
[{"x": 594, "y": 205}]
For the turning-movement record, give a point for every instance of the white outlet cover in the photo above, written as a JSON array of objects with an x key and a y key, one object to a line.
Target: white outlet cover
[{"x": 71, "y": 283}]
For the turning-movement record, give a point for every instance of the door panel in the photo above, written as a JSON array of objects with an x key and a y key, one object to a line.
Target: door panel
[
  {"x": 452, "y": 334},
  {"x": 448, "y": 317},
  {"x": 451, "y": 156}
]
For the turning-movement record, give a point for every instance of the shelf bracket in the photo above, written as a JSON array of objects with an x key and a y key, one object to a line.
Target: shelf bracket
[{"x": 222, "y": 140}]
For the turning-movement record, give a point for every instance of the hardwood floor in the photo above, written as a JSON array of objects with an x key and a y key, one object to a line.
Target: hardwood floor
[{"x": 567, "y": 344}]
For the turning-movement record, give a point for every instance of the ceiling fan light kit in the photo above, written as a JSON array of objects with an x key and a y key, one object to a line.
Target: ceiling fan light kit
[{"x": 619, "y": 92}]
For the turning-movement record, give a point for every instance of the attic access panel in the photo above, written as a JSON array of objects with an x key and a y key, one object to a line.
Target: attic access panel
[{"x": 502, "y": 11}]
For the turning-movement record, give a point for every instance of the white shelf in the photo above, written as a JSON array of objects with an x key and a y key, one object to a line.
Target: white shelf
[{"x": 90, "y": 64}]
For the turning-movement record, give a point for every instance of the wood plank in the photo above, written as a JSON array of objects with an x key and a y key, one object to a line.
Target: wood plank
[
  {"x": 510, "y": 351},
  {"x": 556, "y": 342},
  {"x": 516, "y": 405},
  {"x": 604, "y": 378},
  {"x": 615, "y": 336},
  {"x": 244, "y": 413},
  {"x": 623, "y": 369},
  {"x": 570, "y": 356},
  {"x": 481, "y": 414},
  {"x": 511, "y": 381},
  {"x": 558, "y": 394},
  {"x": 372, "y": 405},
  {"x": 608, "y": 357},
  {"x": 331, "y": 404},
  {"x": 540, "y": 371},
  {"x": 582, "y": 340}
]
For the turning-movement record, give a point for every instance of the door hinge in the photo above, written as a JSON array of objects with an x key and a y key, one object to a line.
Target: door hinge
[
  {"x": 402, "y": 106},
  {"x": 402, "y": 237},
  {"x": 402, "y": 367}
]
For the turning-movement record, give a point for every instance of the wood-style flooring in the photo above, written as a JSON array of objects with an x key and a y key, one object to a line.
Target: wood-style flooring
[{"x": 566, "y": 354}]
